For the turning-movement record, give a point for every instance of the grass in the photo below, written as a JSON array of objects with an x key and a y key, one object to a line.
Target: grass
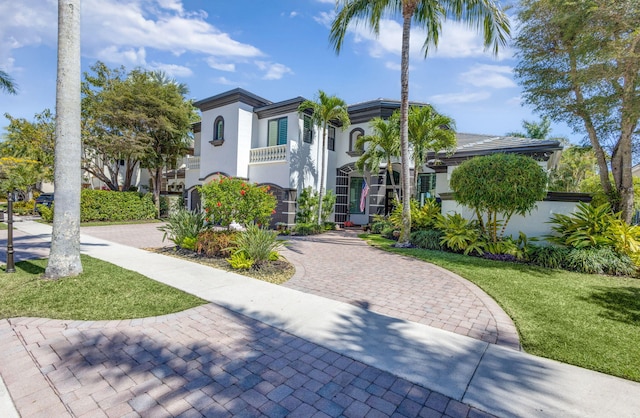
[
  {"x": 591, "y": 321},
  {"x": 102, "y": 292},
  {"x": 3, "y": 225}
]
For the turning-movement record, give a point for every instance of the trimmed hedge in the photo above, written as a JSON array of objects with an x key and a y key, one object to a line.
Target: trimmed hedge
[{"x": 106, "y": 205}]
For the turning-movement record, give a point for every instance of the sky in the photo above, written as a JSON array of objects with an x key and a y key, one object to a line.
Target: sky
[{"x": 277, "y": 49}]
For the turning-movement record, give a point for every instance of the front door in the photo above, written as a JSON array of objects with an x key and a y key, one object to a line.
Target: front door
[{"x": 389, "y": 201}]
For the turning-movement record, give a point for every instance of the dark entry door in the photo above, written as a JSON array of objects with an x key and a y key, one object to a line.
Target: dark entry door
[{"x": 389, "y": 201}]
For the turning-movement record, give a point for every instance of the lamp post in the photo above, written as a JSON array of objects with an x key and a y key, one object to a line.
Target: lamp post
[{"x": 11, "y": 268}]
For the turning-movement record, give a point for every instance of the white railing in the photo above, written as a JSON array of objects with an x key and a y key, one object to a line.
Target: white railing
[
  {"x": 274, "y": 154},
  {"x": 192, "y": 163}
]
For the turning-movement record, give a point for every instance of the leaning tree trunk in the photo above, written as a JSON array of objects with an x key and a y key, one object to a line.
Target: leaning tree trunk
[
  {"x": 405, "y": 231},
  {"x": 64, "y": 258}
]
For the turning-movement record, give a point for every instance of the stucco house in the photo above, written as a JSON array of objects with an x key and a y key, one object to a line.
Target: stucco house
[{"x": 271, "y": 143}]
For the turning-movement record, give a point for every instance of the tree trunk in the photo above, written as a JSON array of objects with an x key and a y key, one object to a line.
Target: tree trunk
[
  {"x": 405, "y": 232},
  {"x": 64, "y": 257},
  {"x": 321, "y": 173}
]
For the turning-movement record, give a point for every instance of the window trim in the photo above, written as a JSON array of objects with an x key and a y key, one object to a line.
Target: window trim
[
  {"x": 218, "y": 134},
  {"x": 307, "y": 132},
  {"x": 353, "y": 152},
  {"x": 278, "y": 130},
  {"x": 331, "y": 141}
]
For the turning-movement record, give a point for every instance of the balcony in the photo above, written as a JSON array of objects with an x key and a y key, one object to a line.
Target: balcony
[
  {"x": 275, "y": 154},
  {"x": 192, "y": 163}
]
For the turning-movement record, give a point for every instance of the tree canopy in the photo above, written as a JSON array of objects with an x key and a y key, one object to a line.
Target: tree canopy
[
  {"x": 498, "y": 184},
  {"x": 6, "y": 83},
  {"x": 579, "y": 62}
]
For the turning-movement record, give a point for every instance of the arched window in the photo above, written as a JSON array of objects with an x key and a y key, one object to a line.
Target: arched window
[
  {"x": 353, "y": 138},
  {"x": 218, "y": 129}
]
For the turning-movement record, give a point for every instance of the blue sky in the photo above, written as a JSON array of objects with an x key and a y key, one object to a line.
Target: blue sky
[{"x": 277, "y": 49}]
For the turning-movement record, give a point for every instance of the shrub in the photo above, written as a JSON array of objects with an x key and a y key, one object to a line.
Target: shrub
[
  {"x": 459, "y": 234},
  {"x": 587, "y": 227},
  {"x": 183, "y": 228},
  {"x": 24, "y": 207},
  {"x": 46, "y": 212},
  {"x": 257, "y": 243},
  {"x": 231, "y": 199},
  {"x": 550, "y": 256},
  {"x": 106, "y": 205},
  {"x": 216, "y": 243},
  {"x": 329, "y": 226},
  {"x": 307, "y": 203},
  {"x": 379, "y": 224},
  {"x": 427, "y": 238},
  {"x": 599, "y": 260},
  {"x": 498, "y": 186},
  {"x": 421, "y": 217},
  {"x": 240, "y": 261},
  {"x": 307, "y": 229},
  {"x": 390, "y": 232}
]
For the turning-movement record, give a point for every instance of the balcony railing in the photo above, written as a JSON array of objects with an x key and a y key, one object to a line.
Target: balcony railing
[
  {"x": 192, "y": 163},
  {"x": 274, "y": 154}
]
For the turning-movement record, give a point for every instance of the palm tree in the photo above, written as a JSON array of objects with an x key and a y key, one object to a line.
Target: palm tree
[
  {"x": 6, "y": 83},
  {"x": 64, "y": 257},
  {"x": 382, "y": 146},
  {"x": 535, "y": 130},
  {"x": 428, "y": 131},
  {"x": 325, "y": 109},
  {"x": 483, "y": 15}
]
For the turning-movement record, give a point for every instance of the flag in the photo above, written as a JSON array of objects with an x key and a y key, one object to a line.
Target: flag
[{"x": 363, "y": 195}]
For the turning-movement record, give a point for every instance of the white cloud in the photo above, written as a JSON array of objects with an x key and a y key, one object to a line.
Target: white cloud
[
  {"x": 293, "y": 14},
  {"x": 225, "y": 81},
  {"x": 457, "y": 98},
  {"x": 118, "y": 30},
  {"x": 126, "y": 56},
  {"x": 456, "y": 40},
  {"x": 273, "y": 71},
  {"x": 173, "y": 70},
  {"x": 484, "y": 75},
  {"x": 222, "y": 66},
  {"x": 325, "y": 18},
  {"x": 515, "y": 101}
]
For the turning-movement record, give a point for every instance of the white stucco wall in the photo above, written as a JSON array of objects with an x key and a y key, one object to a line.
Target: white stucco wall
[
  {"x": 223, "y": 158},
  {"x": 533, "y": 225}
]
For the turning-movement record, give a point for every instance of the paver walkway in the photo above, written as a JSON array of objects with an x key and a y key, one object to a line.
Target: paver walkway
[{"x": 340, "y": 266}]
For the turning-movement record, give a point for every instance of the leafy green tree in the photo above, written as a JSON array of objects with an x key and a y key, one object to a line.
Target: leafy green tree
[
  {"x": 34, "y": 141},
  {"x": 428, "y": 131},
  {"x": 64, "y": 257},
  {"x": 231, "y": 199},
  {"x": 381, "y": 146},
  {"x": 18, "y": 174},
  {"x": 324, "y": 110},
  {"x": 6, "y": 83},
  {"x": 483, "y": 15},
  {"x": 576, "y": 164},
  {"x": 579, "y": 63},
  {"x": 498, "y": 184},
  {"x": 107, "y": 134}
]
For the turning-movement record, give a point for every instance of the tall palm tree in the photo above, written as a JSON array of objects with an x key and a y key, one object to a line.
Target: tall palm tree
[
  {"x": 483, "y": 15},
  {"x": 534, "y": 130},
  {"x": 428, "y": 131},
  {"x": 325, "y": 109},
  {"x": 6, "y": 83},
  {"x": 382, "y": 146},
  {"x": 64, "y": 257}
]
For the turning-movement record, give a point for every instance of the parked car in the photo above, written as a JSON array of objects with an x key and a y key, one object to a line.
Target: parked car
[{"x": 44, "y": 199}]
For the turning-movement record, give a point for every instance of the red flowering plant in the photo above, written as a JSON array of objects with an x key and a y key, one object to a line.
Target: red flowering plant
[{"x": 231, "y": 199}]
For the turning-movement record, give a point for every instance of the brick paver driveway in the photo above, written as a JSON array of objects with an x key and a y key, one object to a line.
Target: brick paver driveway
[
  {"x": 209, "y": 361},
  {"x": 340, "y": 266}
]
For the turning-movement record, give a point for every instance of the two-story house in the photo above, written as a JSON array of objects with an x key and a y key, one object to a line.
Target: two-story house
[{"x": 244, "y": 135}]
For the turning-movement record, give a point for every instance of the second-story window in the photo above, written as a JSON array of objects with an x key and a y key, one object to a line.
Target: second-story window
[
  {"x": 353, "y": 139},
  {"x": 277, "y": 134},
  {"x": 307, "y": 129},
  {"x": 218, "y": 129},
  {"x": 331, "y": 138}
]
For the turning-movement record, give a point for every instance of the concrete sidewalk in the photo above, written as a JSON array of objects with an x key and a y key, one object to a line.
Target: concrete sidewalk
[{"x": 494, "y": 379}]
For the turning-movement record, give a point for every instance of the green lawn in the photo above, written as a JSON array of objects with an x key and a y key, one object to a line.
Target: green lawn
[
  {"x": 3, "y": 225},
  {"x": 102, "y": 292},
  {"x": 591, "y": 321}
]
